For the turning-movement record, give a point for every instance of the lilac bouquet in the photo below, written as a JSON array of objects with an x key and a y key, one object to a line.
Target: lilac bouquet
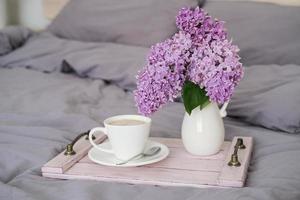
[{"x": 198, "y": 62}]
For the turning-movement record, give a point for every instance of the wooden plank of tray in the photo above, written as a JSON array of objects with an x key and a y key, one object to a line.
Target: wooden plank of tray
[
  {"x": 235, "y": 176},
  {"x": 178, "y": 154},
  {"x": 138, "y": 175},
  {"x": 61, "y": 163},
  {"x": 179, "y": 169}
]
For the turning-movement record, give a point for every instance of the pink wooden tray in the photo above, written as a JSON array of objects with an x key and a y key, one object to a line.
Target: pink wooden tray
[{"x": 178, "y": 169}]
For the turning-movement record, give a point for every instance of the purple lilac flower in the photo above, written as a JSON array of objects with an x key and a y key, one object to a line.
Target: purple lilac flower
[
  {"x": 200, "y": 52},
  {"x": 161, "y": 80},
  {"x": 200, "y": 25},
  {"x": 216, "y": 68}
]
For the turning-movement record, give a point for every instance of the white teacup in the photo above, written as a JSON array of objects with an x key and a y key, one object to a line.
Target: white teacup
[{"x": 127, "y": 134}]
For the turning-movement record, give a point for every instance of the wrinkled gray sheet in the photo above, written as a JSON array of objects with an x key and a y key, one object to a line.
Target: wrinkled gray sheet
[
  {"x": 12, "y": 37},
  {"x": 40, "y": 113},
  {"x": 45, "y": 52}
]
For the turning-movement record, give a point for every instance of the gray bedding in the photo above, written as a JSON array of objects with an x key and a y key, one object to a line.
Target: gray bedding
[
  {"x": 266, "y": 33},
  {"x": 42, "y": 112},
  {"x": 47, "y": 53},
  {"x": 13, "y": 37}
]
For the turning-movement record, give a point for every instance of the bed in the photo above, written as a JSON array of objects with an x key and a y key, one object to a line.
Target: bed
[{"x": 56, "y": 84}]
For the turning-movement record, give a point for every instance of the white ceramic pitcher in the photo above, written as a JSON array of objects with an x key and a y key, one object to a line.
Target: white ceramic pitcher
[{"x": 202, "y": 132}]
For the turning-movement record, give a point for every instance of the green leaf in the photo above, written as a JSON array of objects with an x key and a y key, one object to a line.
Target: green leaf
[{"x": 193, "y": 96}]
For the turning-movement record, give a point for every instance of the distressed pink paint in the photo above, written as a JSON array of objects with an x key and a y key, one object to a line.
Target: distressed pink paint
[{"x": 178, "y": 169}]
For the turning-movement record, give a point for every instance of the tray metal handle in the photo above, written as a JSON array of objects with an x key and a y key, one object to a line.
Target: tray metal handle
[
  {"x": 70, "y": 147},
  {"x": 234, "y": 161}
]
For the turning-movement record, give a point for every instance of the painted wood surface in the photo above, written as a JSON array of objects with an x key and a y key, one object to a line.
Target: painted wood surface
[
  {"x": 61, "y": 163},
  {"x": 178, "y": 169},
  {"x": 235, "y": 176}
]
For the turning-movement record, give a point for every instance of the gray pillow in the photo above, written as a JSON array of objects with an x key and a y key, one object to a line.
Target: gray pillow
[
  {"x": 269, "y": 96},
  {"x": 132, "y": 22},
  {"x": 116, "y": 63},
  {"x": 266, "y": 33}
]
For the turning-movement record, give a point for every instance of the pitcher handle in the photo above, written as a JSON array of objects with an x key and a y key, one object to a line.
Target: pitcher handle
[{"x": 223, "y": 112}]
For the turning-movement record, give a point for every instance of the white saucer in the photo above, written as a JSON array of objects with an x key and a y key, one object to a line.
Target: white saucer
[{"x": 109, "y": 159}]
